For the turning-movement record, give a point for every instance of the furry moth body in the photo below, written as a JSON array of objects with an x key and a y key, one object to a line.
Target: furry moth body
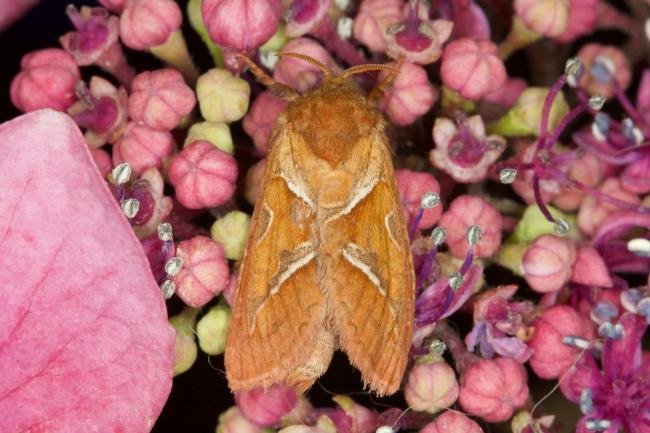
[{"x": 327, "y": 264}]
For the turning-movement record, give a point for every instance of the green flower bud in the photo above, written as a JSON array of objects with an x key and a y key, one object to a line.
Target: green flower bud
[
  {"x": 509, "y": 256},
  {"x": 231, "y": 232},
  {"x": 533, "y": 224},
  {"x": 185, "y": 349},
  {"x": 524, "y": 118},
  {"x": 213, "y": 328},
  {"x": 222, "y": 96},
  {"x": 212, "y": 132}
]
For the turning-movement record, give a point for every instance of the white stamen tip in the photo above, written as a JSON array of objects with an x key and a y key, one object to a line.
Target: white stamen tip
[
  {"x": 561, "y": 227},
  {"x": 130, "y": 207},
  {"x": 438, "y": 236},
  {"x": 165, "y": 232},
  {"x": 474, "y": 234},
  {"x": 586, "y": 401},
  {"x": 609, "y": 330},
  {"x": 269, "y": 59},
  {"x": 173, "y": 266},
  {"x": 573, "y": 69},
  {"x": 122, "y": 173},
  {"x": 597, "y": 101},
  {"x": 344, "y": 27},
  {"x": 437, "y": 347},
  {"x": 575, "y": 341},
  {"x": 456, "y": 280},
  {"x": 598, "y": 424},
  {"x": 168, "y": 288},
  {"x": 385, "y": 429},
  {"x": 430, "y": 200},
  {"x": 639, "y": 246},
  {"x": 507, "y": 175}
]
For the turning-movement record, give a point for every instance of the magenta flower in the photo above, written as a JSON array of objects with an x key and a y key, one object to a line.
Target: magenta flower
[
  {"x": 417, "y": 38},
  {"x": 462, "y": 149},
  {"x": 301, "y": 16},
  {"x": 614, "y": 391},
  {"x": 373, "y": 19},
  {"x": 500, "y": 325}
]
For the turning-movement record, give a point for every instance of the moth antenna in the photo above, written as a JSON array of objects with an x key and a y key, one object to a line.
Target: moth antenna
[
  {"x": 378, "y": 92},
  {"x": 312, "y": 61},
  {"x": 360, "y": 69},
  {"x": 280, "y": 89}
]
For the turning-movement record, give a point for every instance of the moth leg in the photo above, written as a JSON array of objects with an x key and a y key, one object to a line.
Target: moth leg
[
  {"x": 377, "y": 93},
  {"x": 280, "y": 89}
]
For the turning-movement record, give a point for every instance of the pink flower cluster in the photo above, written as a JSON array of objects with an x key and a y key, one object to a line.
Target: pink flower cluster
[{"x": 527, "y": 206}]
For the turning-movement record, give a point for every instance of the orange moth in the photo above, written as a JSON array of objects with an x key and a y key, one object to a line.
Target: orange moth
[{"x": 327, "y": 264}]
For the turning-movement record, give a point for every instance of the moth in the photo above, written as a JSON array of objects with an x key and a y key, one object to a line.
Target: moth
[{"x": 327, "y": 264}]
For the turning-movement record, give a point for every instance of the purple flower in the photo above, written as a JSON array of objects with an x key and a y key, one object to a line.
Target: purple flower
[
  {"x": 614, "y": 394},
  {"x": 500, "y": 324}
]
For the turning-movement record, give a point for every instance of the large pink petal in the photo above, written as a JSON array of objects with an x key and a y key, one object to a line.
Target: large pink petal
[{"x": 84, "y": 339}]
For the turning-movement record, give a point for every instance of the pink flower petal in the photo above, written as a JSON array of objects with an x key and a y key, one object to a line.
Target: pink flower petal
[{"x": 84, "y": 339}]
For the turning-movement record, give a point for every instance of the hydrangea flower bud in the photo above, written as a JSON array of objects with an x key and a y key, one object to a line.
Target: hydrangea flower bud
[
  {"x": 148, "y": 23},
  {"x": 493, "y": 388},
  {"x": 231, "y": 231},
  {"x": 547, "y": 17},
  {"x": 373, "y": 19},
  {"x": 185, "y": 350},
  {"x": 47, "y": 79},
  {"x": 302, "y": 16},
  {"x": 160, "y": 99},
  {"x": 547, "y": 263},
  {"x": 636, "y": 175},
  {"x": 551, "y": 356},
  {"x": 252, "y": 181},
  {"x": 203, "y": 175},
  {"x": 523, "y": 118},
  {"x": 431, "y": 386},
  {"x": 593, "y": 212},
  {"x": 212, "y": 329},
  {"x": 590, "y": 269},
  {"x": 602, "y": 64},
  {"x": 533, "y": 224},
  {"x": 143, "y": 147},
  {"x": 234, "y": 421},
  {"x": 582, "y": 20},
  {"x": 266, "y": 407},
  {"x": 204, "y": 273},
  {"x": 241, "y": 25},
  {"x": 222, "y": 96},
  {"x": 452, "y": 421},
  {"x": 261, "y": 118},
  {"x": 213, "y": 132},
  {"x": 412, "y": 186},
  {"x": 410, "y": 96},
  {"x": 464, "y": 212},
  {"x": 472, "y": 68}
]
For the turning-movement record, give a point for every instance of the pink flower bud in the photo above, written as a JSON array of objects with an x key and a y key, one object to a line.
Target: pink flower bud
[
  {"x": 593, "y": 211},
  {"x": 302, "y": 16},
  {"x": 160, "y": 99},
  {"x": 493, "y": 388},
  {"x": 101, "y": 110},
  {"x": 143, "y": 147},
  {"x": 412, "y": 186},
  {"x": 373, "y": 19},
  {"x": 452, "y": 421},
  {"x": 417, "y": 39},
  {"x": 12, "y": 10},
  {"x": 431, "y": 387},
  {"x": 636, "y": 175},
  {"x": 602, "y": 64},
  {"x": 472, "y": 68},
  {"x": 464, "y": 212},
  {"x": 547, "y": 262},
  {"x": 253, "y": 180},
  {"x": 361, "y": 418},
  {"x": 233, "y": 421},
  {"x": 587, "y": 169},
  {"x": 231, "y": 287},
  {"x": 297, "y": 73},
  {"x": 204, "y": 272},
  {"x": 462, "y": 149},
  {"x": 266, "y": 407},
  {"x": 102, "y": 160},
  {"x": 148, "y": 23},
  {"x": 552, "y": 356},
  {"x": 548, "y": 17},
  {"x": 410, "y": 96},
  {"x": 261, "y": 118},
  {"x": 116, "y": 6},
  {"x": 47, "y": 80},
  {"x": 242, "y": 25},
  {"x": 590, "y": 269},
  {"x": 582, "y": 20},
  {"x": 507, "y": 95},
  {"x": 203, "y": 175}
]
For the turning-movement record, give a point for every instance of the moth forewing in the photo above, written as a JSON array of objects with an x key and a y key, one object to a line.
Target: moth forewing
[{"x": 327, "y": 263}]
